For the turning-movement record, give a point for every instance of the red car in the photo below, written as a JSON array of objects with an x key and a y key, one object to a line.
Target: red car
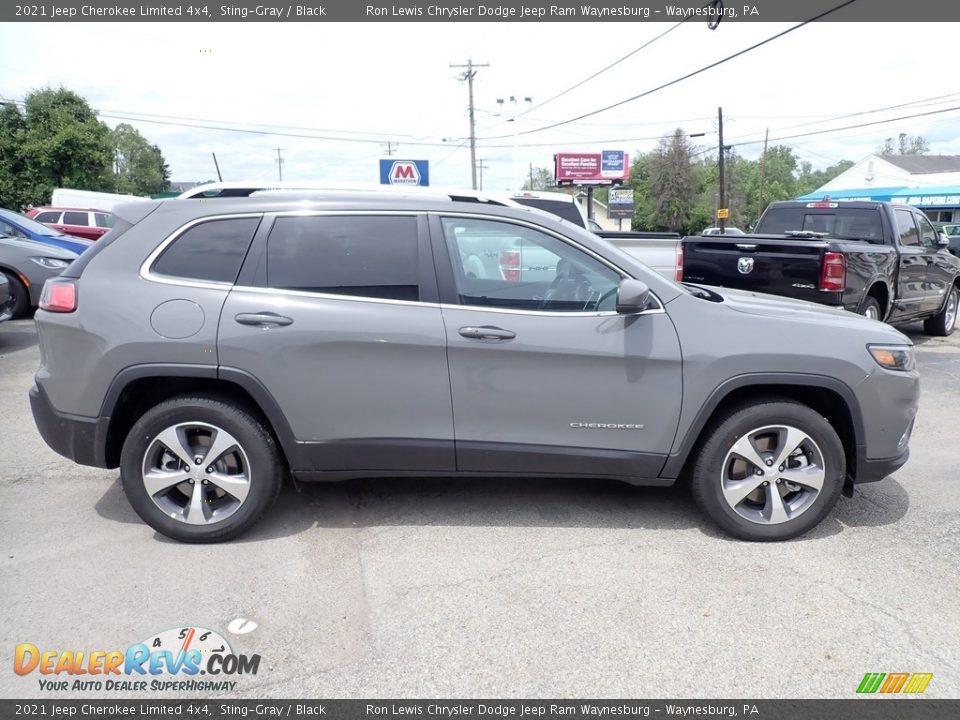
[{"x": 89, "y": 224}]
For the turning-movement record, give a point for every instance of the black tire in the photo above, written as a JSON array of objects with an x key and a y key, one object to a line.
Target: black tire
[
  {"x": 709, "y": 472},
  {"x": 264, "y": 468},
  {"x": 870, "y": 305},
  {"x": 943, "y": 323},
  {"x": 20, "y": 295}
]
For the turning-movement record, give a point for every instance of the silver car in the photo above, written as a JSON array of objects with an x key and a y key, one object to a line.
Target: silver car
[
  {"x": 27, "y": 265},
  {"x": 343, "y": 336}
]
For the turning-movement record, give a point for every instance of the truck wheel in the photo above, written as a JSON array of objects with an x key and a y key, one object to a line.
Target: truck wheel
[
  {"x": 943, "y": 323},
  {"x": 871, "y": 308},
  {"x": 20, "y": 295},
  {"x": 769, "y": 471},
  {"x": 200, "y": 470}
]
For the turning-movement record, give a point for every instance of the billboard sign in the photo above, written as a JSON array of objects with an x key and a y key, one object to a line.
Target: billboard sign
[
  {"x": 607, "y": 167},
  {"x": 620, "y": 203},
  {"x": 405, "y": 172}
]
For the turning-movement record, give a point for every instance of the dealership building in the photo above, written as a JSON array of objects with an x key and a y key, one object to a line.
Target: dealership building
[{"x": 928, "y": 182}]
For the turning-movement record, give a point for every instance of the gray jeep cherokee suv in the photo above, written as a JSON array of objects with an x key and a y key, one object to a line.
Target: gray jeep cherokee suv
[{"x": 209, "y": 350}]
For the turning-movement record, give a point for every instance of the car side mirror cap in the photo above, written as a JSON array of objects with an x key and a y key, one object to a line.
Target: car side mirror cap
[
  {"x": 943, "y": 240},
  {"x": 632, "y": 296}
]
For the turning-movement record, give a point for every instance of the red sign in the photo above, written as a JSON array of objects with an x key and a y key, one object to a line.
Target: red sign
[{"x": 606, "y": 167}]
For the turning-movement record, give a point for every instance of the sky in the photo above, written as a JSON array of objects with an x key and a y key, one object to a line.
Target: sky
[{"x": 355, "y": 86}]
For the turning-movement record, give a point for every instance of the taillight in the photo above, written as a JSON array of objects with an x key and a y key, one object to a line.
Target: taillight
[
  {"x": 510, "y": 265},
  {"x": 833, "y": 272},
  {"x": 678, "y": 272},
  {"x": 59, "y": 296}
]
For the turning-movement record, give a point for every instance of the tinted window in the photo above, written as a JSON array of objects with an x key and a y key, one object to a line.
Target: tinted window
[
  {"x": 103, "y": 220},
  {"x": 906, "y": 228},
  {"x": 75, "y": 218},
  {"x": 499, "y": 264},
  {"x": 566, "y": 210},
  {"x": 47, "y": 217},
  {"x": 373, "y": 256},
  {"x": 212, "y": 250},
  {"x": 841, "y": 223}
]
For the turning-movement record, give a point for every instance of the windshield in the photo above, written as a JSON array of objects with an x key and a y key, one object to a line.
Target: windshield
[
  {"x": 840, "y": 223},
  {"x": 27, "y": 224},
  {"x": 951, "y": 230}
]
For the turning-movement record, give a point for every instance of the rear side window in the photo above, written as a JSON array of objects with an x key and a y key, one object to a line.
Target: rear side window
[
  {"x": 211, "y": 251},
  {"x": 104, "y": 220},
  {"x": 75, "y": 218},
  {"x": 47, "y": 216},
  {"x": 840, "y": 223},
  {"x": 907, "y": 228},
  {"x": 372, "y": 256}
]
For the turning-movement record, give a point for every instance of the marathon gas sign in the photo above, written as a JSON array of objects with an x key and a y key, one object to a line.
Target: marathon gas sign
[
  {"x": 607, "y": 166},
  {"x": 405, "y": 172}
]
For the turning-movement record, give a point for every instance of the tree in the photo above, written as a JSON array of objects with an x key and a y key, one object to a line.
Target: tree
[
  {"x": 59, "y": 142},
  {"x": 139, "y": 167},
  {"x": 673, "y": 184},
  {"x": 541, "y": 177},
  {"x": 905, "y": 145}
]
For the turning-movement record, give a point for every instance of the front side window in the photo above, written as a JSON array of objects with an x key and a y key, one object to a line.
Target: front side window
[
  {"x": 361, "y": 256},
  {"x": 504, "y": 265},
  {"x": 928, "y": 236},
  {"x": 907, "y": 229},
  {"x": 212, "y": 250}
]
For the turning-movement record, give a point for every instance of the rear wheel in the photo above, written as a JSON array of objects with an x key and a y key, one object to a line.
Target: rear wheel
[
  {"x": 871, "y": 308},
  {"x": 200, "y": 470},
  {"x": 943, "y": 323},
  {"x": 20, "y": 295},
  {"x": 769, "y": 471}
]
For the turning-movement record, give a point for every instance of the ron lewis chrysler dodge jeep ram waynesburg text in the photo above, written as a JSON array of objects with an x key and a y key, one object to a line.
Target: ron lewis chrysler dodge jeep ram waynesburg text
[{"x": 209, "y": 350}]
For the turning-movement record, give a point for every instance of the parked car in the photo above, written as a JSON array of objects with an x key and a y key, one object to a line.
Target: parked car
[
  {"x": 6, "y": 299},
  {"x": 341, "y": 337},
  {"x": 726, "y": 231},
  {"x": 77, "y": 222},
  {"x": 882, "y": 260},
  {"x": 953, "y": 238},
  {"x": 18, "y": 226},
  {"x": 27, "y": 265}
]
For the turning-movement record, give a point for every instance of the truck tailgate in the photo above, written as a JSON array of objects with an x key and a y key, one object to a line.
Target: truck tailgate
[{"x": 777, "y": 266}]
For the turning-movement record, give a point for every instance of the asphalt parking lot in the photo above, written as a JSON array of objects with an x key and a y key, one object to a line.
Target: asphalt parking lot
[{"x": 479, "y": 588}]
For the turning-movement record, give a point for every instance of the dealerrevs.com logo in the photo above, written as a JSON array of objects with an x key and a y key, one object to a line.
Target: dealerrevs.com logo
[{"x": 171, "y": 660}]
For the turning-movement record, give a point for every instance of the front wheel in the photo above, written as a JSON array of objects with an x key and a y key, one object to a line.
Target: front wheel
[
  {"x": 200, "y": 470},
  {"x": 20, "y": 295},
  {"x": 769, "y": 471},
  {"x": 943, "y": 323}
]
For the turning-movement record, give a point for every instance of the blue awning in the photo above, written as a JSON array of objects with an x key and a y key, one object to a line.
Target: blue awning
[{"x": 938, "y": 196}]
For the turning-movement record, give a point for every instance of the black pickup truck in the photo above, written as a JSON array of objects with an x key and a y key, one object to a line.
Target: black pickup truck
[{"x": 878, "y": 259}]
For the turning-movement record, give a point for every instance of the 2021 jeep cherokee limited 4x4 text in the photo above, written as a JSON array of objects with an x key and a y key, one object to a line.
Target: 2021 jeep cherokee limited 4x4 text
[{"x": 209, "y": 350}]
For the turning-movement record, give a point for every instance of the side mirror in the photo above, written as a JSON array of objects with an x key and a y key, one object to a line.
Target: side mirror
[
  {"x": 632, "y": 296},
  {"x": 943, "y": 240}
]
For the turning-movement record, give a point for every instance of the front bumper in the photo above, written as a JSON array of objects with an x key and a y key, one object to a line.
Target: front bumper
[
  {"x": 78, "y": 438},
  {"x": 870, "y": 470}
]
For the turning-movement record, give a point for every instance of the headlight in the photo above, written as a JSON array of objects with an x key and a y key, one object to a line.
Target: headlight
[
  {"x": 893, "y": 357},
  {"x": 52, "y": 263}
]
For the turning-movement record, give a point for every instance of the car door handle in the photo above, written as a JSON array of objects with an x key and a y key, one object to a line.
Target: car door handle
[
  {"x": 487, "y": 332},
  {"x": 263, "y": 319}
]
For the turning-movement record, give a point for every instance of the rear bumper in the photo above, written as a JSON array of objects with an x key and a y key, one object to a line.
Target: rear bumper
[
  {"x": 869, "y": 470},
  {"x": 78, "y": 438}
]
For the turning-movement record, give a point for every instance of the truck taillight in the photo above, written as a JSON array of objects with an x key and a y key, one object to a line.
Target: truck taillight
[
  {"x": 510, "y": 265},
  {"x": 59, "y": 296},
  {"x": 833, "y": 272},
  {"x": 678, "y": 272}
]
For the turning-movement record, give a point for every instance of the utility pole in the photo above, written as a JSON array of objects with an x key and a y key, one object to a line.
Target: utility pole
[
  {"x": 763, "y": 171},
  {"x": 279, "y": 163},
  {"x": 217, "y": 166},
  {"x": 390, "y": 146},
  {"x": 481, "y": 166},
  {"x": 468, "y": 75},
  {"x": 723, "y": 192}
]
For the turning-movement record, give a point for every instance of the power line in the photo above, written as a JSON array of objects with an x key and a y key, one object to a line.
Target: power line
[{"x": 684, "y": 77}]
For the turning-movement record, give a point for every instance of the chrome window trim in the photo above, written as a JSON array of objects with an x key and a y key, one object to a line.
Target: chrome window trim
[
  {"x": 659, "y": 310},
  {"x": 147, "y": 273}
]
